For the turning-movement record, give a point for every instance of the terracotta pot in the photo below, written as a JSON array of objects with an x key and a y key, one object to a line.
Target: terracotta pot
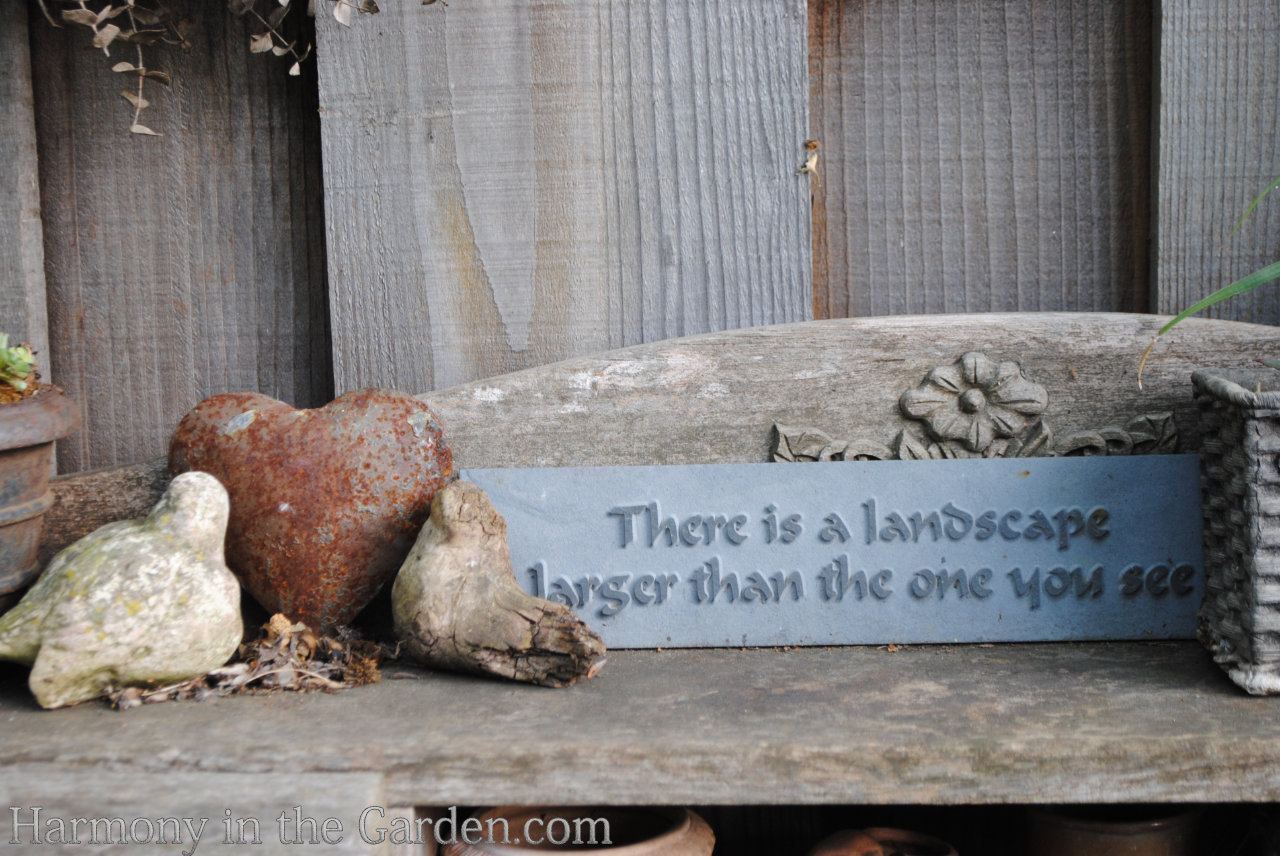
[
  {"x": 27, "y": 431},
  {"x": 631, "y": 832},
  {"x": 1114, "y": 831},
  {"x": 881, "y": 841}
]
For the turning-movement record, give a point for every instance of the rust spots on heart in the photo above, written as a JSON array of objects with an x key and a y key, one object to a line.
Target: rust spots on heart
[{"x": 325, "y": 503}]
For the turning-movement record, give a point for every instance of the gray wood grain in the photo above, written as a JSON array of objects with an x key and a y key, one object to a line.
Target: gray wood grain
[
  {"x": 513, "y": 183},
  {"x": 1219, "y": 147},
  {"x": 713, "y": 398},
  {"x": 980, "y": 156},
  {"x": 228, "y": 811},
  {"x": 23, "y": 314},
  {"x": 183, "y": 265},
  {"x": 1135, "y": 722}
]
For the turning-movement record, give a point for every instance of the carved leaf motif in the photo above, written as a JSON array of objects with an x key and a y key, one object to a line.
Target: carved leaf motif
[
  {"x": 976, "y": 407},
  {"x": 861, "y": 449},
  {"x": 908, "y": 447},
  {"x": 1118, "y": 442},
  {"x": 1150, "y": 434},
  {"x": 800, "y": 444},
  {"x": 1083, "y": 444},
  {"x": 950, "y": 450},
  {"x": 1153, "y": 434},
  {"x": 1037, "y": 442}
]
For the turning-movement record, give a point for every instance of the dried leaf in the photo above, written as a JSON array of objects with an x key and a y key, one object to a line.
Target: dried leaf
[
  {"x": 145, "y": 17},
  {"x": 141, "y": 37},
  {"x": 105, "y": 36},
  {"x": 136, "y": 100},
  {"x": 157, "y": 76},
  {"x": 284, "y": 657},
  {"x": 342, "y": 12},
  {"x": 80, "y": 16},
  {"x": 295, "y": 70},
  {"x": 126, "y": 66},
  {"x": 44, "y": 9},
  {"x": 108, "y": 12},
  {"x": 261, "y": 43},
  {"x": 281, "y": 50},
  {"x": 277, "y": 14},
  {"x": 143, "y": 129},
  {"x": 129, "y": 697},
  {"x": 369, "y": 7}
]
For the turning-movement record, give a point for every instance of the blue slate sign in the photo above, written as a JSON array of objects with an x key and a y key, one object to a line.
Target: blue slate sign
[{"x": 876, "y": 552}]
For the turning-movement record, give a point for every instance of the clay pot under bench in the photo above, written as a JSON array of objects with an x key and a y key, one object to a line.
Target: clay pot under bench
[
  {"x": 637, "y": 831},
  {"x": 1121, "y": 830},
  {"x": 27, "y": 431},
  {"x": 881, "y": 841}
]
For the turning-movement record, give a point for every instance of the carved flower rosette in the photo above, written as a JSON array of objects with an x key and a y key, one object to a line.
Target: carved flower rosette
[
  {"x": 974, "y": 407},
  {"x": 977, "y": 407}
]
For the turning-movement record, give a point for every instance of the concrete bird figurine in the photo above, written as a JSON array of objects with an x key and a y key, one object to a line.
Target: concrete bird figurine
[{"x": 138, "y": 602}]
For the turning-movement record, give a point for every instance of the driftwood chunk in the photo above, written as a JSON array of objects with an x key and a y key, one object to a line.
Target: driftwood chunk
[{"x": 457, "y": 604}]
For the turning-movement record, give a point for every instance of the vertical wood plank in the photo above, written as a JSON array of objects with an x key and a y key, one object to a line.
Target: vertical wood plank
[
  {"x": 980, "y": 156},
  {"x": 23, "y": 313},
  {"x": 1219, "y": 128},
  {"x": 513, "y": 182},
  {"x": 183, "y": 265}
]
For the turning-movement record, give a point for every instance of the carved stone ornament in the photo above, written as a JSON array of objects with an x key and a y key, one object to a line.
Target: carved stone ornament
[{"x": 976, "y": 408}]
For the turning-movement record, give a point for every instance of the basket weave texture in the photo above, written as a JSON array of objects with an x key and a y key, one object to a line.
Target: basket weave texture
[{"x": 1240, "y": 489}]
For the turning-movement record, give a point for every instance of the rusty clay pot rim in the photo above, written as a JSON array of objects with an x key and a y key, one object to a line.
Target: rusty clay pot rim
[
  {"x": 675, "y": 825},
  {"x": 890, "y": 834},
  {"x": 1111, "y": 820},
  {"x": 40, "y": 418}
]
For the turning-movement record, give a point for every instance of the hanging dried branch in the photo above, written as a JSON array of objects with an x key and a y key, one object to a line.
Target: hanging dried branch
[
  {"x": 142, "y": 25},
  {"x": 148, "y": 22}
]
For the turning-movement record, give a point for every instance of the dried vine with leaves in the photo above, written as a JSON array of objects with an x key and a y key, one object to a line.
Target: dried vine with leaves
[{"x": 144, "y": 23}]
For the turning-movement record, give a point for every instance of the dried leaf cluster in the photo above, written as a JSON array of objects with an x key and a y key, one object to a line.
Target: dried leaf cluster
[
  {"x": 131, "y": 23},
  {"x": 148, "y": 22},
  {"x": 284, "y": 657}
]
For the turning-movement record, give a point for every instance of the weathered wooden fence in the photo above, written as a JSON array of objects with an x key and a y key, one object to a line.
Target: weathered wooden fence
[{"x": 448, "y": 193}]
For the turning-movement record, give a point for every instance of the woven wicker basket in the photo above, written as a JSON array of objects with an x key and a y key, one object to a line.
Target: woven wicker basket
[{"x": 1240, "y": 488}]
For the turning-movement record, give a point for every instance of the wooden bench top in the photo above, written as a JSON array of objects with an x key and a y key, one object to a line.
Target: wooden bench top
[{"x": 949, "y": 724}]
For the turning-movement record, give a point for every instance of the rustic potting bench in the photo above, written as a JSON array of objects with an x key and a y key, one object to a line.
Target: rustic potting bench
[{"x": 1025, "y": 723}]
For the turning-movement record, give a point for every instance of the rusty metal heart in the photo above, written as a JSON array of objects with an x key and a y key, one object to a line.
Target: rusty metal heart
[{"x": 325, "y": 503}]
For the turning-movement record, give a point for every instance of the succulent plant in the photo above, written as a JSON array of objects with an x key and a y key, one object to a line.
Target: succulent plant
[{"x": 17, "y": 365}]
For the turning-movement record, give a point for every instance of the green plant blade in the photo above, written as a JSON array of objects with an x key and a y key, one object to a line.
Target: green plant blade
[
  {"x": 1259, "y": 277},
  {"x": 1254, "y": 204},
  {"x": 1241, "y": 286}
]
